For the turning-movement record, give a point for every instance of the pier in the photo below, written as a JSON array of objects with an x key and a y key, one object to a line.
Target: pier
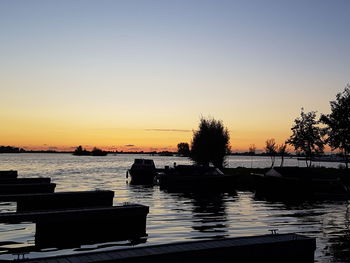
[
  {"x": 69, "y": 219},
  {"x": 71, "y": 227},
  {"x": 268, "y": 248},
  {"x": 61, "y": 200},
  {"x": 26, "y": 188},
  {"x": 8, "y": 174},
  {"x": 11, "y": 185},
  {"x": 39, "y": 180}
]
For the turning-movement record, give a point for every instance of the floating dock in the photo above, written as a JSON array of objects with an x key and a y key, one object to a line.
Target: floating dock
[
  {"x": 39, "y": 180},
  {"x": 61, "y": 200},
  {"x": 268, "y": 248},
  {"x": 8, "y": 174},
  {"x": 70, "y": 219},
  {"x": 73, "y": 227},
  {"x": 11, "y": 189}
]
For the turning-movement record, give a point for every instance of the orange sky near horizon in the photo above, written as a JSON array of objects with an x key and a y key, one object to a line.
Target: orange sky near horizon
[{"x": 43, "y": 136}]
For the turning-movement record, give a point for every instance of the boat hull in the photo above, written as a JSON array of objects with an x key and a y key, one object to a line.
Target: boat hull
[
  {"x": 142, "y": 176},
  {"x": 299, "y": 187}
]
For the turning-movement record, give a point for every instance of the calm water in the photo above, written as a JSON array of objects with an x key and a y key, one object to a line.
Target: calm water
[{"x": 179, "y": 217}]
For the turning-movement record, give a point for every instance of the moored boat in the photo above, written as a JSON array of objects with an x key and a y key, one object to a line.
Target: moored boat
[
  {"x": 192, "y": 178},
  {"x": 142, "y": 171},
  {"x": 301, "y": 183}
]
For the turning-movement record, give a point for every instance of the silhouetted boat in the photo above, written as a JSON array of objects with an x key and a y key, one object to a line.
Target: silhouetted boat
[
  {"x": 296, "y": 183},
  {"x": 193, "y": 178},
  {"x": 143, "y": 171}
]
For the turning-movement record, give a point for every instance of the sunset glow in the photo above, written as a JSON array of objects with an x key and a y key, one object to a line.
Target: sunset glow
[{"x": 138, "y": 75}]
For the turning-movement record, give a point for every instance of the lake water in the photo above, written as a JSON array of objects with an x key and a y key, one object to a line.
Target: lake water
[{"x": 179, "y": 217}]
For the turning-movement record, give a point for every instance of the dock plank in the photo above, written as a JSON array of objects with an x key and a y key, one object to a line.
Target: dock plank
[
  {"x": 273, "y": 248},
  {"x": 63, "y": 260},
  {"x": 35, "y": 216}
]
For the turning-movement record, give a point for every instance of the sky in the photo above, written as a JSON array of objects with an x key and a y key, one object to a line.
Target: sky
[{"x": 139, "y": 75}]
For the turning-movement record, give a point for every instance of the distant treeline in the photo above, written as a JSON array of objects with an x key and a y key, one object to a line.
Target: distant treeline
[
  {"x": 10, "y": 149},
  {"x": 95, "y": 151}
]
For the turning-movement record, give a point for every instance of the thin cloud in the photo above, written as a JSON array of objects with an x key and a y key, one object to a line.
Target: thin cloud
[{"x": 129, "y": 145}]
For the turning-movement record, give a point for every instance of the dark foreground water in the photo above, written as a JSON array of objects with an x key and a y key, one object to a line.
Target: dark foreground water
[{"x": 179, "y": 217}]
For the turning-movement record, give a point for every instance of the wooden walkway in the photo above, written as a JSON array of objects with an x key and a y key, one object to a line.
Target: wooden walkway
[
  {"x": 38, "y": 180},
  {"x": 67, "y": 215},
  {"x": 71, "y": 228},
  {"x": 31, "y": 188},
  {"x": 8, "y": 174},
  {"x": 61, "y": 200},
  {"x": 270, "y": 248}
]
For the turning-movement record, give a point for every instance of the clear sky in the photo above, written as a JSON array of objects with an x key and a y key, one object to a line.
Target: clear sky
[{"x": 140, "y": 74}]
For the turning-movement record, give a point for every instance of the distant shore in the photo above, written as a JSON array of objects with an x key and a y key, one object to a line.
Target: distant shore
[
  {"x": 11, "y": 149},
  {"x": 167, "y": 154}
]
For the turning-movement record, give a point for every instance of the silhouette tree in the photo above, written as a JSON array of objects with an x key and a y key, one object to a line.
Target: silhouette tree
[
  {"x": 271, "y": 150},
  {"x": 338, "y": 124},
  {"x": 80, "y": 151},
  {"x": 183, "y": 149},
  {"x": 98, "y": 152},
  {"x": 210, "y": 143},
  {"x": 252, "y": 149},
  {"x": 282, "y": 151},
  {"x": 11, "y": 149},
  {"x": 307, "y": 136},
  {"x": 251, "y": 152}
]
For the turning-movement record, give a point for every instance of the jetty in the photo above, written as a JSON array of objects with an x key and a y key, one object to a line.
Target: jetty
[
  {"x": 39, "y": 180},
  {"x": 269, "y": 248},
  {"x": 69, "y": 219},
  {"x": 10, "y": 184},
  {"x": 61, "y": 200},
  {"x": 72, "y": 227},
  {"x": 8, "y": 174},
  {"x": 26, "y": 188}
]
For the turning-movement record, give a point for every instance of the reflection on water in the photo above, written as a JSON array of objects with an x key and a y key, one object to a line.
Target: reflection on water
[
  {"x": 208, "y": 214},
  {"x": 174, "y": 216},
  {"x": 339, "y": 239}
]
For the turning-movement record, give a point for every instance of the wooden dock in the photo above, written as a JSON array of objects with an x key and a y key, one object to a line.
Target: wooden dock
[
  {"x": 8, "y": 174},
  {"x": 78, "y": 214},
  {"x": 268, "y": 248},
  {"x": 70, "y": 219},
  {"x": 38, "y": 180},
  {"x": 73, "y": 227},
  {"x": 10, "y": 189},
  {"x": 61, "y": 200}
]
